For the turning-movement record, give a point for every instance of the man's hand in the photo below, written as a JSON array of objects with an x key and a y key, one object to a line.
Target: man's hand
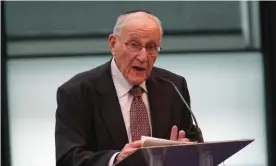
[
  {"x": 178, "y": 136},
  {"x": 128, "y": 148}
]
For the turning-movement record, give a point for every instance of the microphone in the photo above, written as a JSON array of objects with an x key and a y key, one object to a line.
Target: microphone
[{"x": 197, "y": 134}]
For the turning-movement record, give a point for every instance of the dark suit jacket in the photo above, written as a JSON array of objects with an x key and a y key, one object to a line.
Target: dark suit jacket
[{"x": 89, "y": 123}]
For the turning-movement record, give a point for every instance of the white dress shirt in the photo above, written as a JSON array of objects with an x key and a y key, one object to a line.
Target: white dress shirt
[{"x": 122, "y": 87}]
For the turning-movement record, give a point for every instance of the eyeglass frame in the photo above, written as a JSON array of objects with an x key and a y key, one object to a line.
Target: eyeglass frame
[{"x": 158, "y": 47}]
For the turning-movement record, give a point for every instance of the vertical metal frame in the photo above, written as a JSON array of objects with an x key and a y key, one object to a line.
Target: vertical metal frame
[
  {"x": 268, "y": 47},
  {"x": 5, "y": 134}
]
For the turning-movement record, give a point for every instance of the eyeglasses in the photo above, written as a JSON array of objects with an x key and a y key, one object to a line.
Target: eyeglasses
[{"x": 135, "y": 46}]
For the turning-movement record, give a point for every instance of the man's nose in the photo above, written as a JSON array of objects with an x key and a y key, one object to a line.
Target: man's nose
[{"x": 143, "y": 55}]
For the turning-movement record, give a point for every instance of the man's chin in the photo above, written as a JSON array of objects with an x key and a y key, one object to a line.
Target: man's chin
[{"x": 136, "y": 81}]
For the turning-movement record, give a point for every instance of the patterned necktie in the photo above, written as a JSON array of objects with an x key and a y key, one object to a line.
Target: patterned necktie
[{"x": 139, "y": 120}]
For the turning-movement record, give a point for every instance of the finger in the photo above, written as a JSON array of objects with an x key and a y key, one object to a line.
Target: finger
[
  {"x": 174, "y": 133},
  {"x": 136, "y": 144},
  {"x": 185, "y": 140},
  {"x": 181, "y": 134},
  {"x": 128, "y": 151}
]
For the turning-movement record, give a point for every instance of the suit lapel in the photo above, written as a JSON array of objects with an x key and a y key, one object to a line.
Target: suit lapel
[
  {"x": 160, "y": 102},
  {"x": 110, "y": 110}
]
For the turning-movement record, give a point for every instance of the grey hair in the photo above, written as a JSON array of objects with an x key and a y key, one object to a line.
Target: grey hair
[{"x": 122, "y": 19}]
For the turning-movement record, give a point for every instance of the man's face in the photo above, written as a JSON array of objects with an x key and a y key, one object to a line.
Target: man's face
[{"x": 135, "y": 48}]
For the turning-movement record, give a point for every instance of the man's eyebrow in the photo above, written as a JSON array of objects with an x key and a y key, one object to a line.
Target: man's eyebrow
[
  {"x": 138, "y": 39},
  {"x": 152, "y": 42}
]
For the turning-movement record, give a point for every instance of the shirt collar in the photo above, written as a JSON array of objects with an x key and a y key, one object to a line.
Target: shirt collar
[{"x": 121, "y": 84}]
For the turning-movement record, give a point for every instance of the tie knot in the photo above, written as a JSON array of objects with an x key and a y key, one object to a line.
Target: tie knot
[{"x": 136, "y": 91}]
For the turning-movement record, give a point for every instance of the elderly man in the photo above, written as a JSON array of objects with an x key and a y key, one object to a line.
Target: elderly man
[{"x": 102, "y": 113}]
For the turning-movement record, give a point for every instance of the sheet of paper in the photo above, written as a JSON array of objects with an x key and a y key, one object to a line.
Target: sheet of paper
[{"x": 152, "y": 141}]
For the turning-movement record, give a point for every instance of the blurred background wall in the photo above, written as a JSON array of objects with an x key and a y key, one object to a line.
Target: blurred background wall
[{"x": 214, "y": 45}]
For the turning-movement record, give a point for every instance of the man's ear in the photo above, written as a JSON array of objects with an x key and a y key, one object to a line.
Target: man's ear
[{"x": 112, "y": 42}]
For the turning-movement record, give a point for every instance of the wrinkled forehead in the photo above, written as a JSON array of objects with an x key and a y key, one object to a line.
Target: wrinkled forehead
[{"x": 143, "y": 25}]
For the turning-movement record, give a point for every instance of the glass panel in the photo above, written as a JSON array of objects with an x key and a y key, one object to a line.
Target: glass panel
[
  {"x": 43, "y": 28},
  {"x": 67, "y": 18}
]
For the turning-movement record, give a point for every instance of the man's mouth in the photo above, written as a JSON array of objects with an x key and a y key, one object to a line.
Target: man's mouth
[{"x": 139, "y": 68}]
